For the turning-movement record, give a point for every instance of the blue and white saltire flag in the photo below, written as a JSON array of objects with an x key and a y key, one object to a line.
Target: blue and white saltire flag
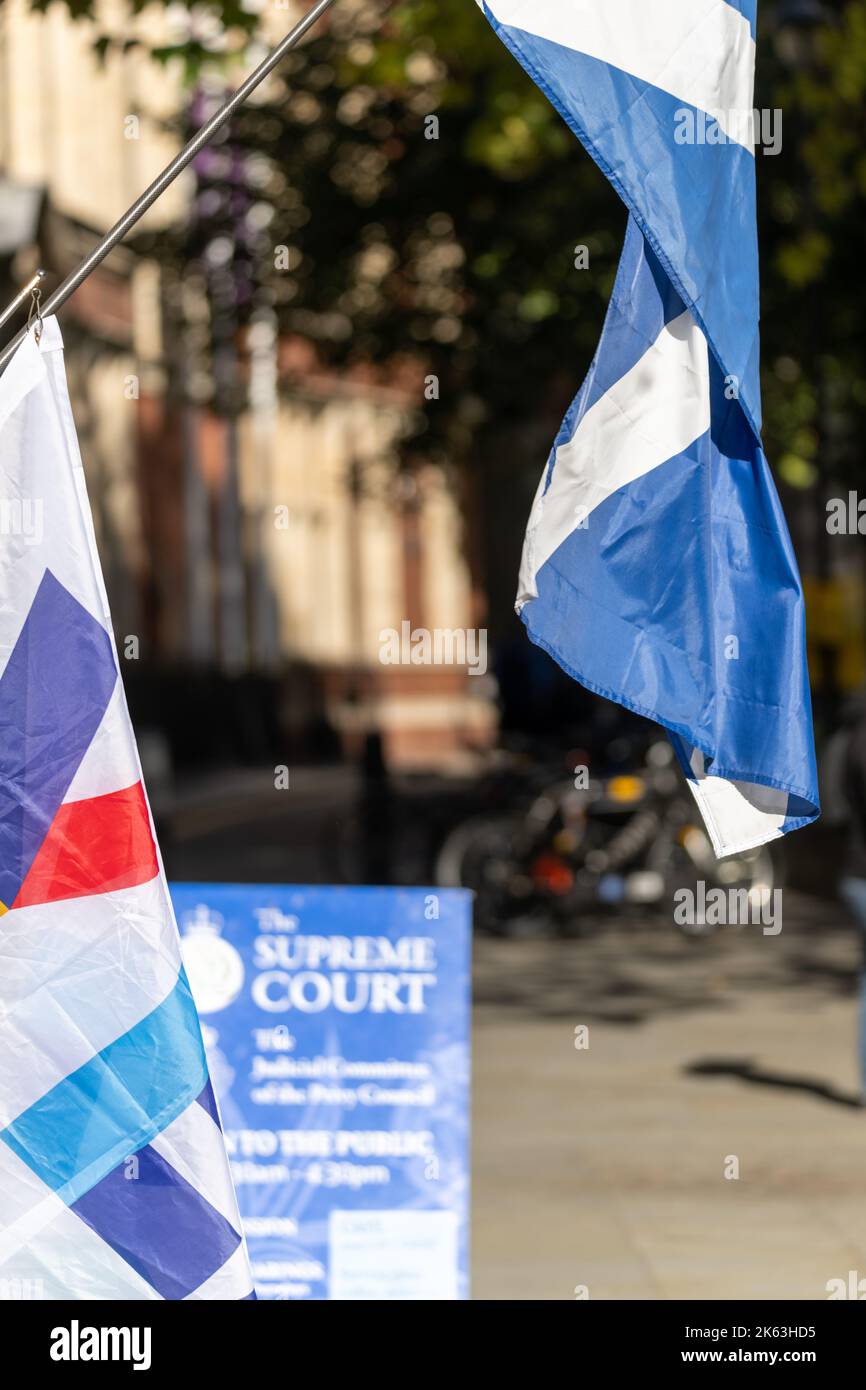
[
  {"x": 657, "y": 567},
  {"x": 114, "y": 1178}
]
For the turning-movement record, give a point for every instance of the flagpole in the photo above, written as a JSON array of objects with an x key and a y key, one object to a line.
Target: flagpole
[{"x": 161, "y": 182}]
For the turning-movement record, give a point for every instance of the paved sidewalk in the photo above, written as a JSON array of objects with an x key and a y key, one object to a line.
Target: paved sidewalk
[{"x": 606, "y": 1167}]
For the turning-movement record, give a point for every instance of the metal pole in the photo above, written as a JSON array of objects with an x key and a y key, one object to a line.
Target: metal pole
[
  {"x": 21, "y": 296},
  {"x": 162, "y": 181}
]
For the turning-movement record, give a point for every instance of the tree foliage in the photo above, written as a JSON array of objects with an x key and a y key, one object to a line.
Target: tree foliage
[{"x": 431, "y": 203}]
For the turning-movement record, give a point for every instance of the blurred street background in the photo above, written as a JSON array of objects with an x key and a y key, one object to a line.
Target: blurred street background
[{"x": 314, "y": 392}]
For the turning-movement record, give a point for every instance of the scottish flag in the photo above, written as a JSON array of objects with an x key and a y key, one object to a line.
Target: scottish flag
[
  {"x": 114, "y": 1179},
  {"x": 657, "y": 566}
]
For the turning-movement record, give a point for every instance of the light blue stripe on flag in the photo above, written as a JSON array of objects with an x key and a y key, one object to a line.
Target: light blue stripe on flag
[{"x": 117, "y": 1102}]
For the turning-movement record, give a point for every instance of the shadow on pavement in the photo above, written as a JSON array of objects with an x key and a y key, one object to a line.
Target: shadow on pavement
[
  {"x": 744, "y": 1069},
  {"x": 628, "y": 973}
]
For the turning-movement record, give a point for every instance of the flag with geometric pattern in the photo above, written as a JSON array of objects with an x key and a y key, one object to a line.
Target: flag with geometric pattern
[{"x": 114, "y": 1178}]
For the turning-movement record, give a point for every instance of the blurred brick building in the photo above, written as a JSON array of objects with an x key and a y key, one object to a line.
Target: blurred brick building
[{"x": 255, "y": 557}]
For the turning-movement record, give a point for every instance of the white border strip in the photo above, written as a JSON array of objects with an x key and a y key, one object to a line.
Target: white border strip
[
  {"x": 700, "y": 51},
  {"x": 649, "y": 416}
]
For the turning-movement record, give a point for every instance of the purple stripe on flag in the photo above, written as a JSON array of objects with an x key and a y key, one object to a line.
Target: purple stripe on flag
[
  {"x": 207, "y": 1100},
  {"x": 53, "y": 694},
  {"x": 159, "y": 1224}
]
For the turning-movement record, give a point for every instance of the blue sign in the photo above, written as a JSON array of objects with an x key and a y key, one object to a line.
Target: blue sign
[{"x": 337, "y": 1027}]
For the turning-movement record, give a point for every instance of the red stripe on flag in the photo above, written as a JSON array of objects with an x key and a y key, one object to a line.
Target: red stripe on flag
[{"x": 93, "y": 846}]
